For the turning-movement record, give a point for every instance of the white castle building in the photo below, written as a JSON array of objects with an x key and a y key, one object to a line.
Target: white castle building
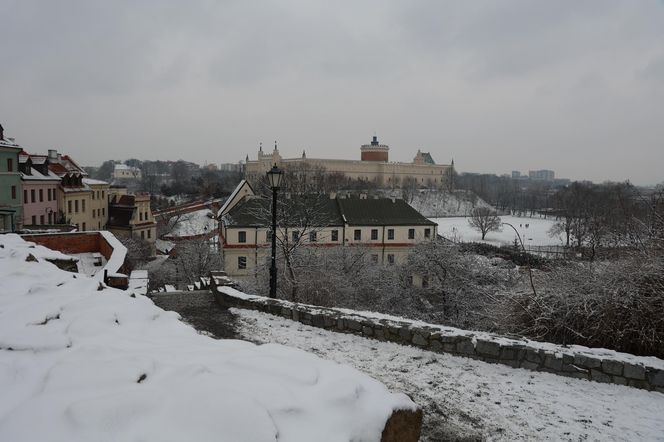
[{"x": 373, "y": 165}]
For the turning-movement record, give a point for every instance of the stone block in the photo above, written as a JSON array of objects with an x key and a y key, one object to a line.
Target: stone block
[
  {"x": 619, "y": 380},
  {"x": 509, "y": 353},
  {"x": 367, "y": 331},
  {"x": 586, "y": 362},
  {"x": 449, "y": 348},
  {"x": 656, "y": 378},
  {"x": 568, "y": 359},
  {"x": 533, "y": 355},
  {"x": 435, "y": 345},
  {"x": 552, "y": 362},
  {"x": 318, "y": 320},
  {"x": 599, "y": 376},
  {"x": 405, "y": 334},
  {"x": 634, "y": 371},
  {"x": 403, "y": 426},
  {"x": 296, "y": 315},
  {"x": 419, "y": 340},
  {"x": 329, "y": 321},
  {"x": 341, "y": 324},
  {"x": 612, "y": 367},
  {"x": 644, "y": 385},
  {"x": 529, "y": 365},
  {"x": 449, "y": 339},
  {"x": 379, "y": 333},
  {"x": 465, "y": 346},
  {"x": 488, "y": 348},
  {"x": 286, "y": 312},
  {"x": 354, "y": 325}
]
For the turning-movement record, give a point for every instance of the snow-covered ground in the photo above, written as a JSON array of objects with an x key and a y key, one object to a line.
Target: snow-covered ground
[
  {"x": 465, "y": 398},
  {"x": 533, "y": 231},
  {"x": 81, "y": 362}
]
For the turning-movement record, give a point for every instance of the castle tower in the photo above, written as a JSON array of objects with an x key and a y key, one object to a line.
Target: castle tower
[{"x": 375, "y": 151}]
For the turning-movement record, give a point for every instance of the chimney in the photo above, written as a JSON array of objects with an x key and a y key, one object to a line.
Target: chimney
[{"x": 52, "y": 154}]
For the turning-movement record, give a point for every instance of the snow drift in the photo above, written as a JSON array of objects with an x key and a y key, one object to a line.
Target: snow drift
[{"x": 82, "y": 362}]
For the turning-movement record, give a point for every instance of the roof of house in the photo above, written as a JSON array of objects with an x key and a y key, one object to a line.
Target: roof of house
[
  {"x": 35, "y": 175},
  {"x": 320, "y": 210},
  {"x": 92, "y": 182},
  {"x": 380, "y": 212}
]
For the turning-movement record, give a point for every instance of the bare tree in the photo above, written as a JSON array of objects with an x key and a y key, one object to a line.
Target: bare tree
[
  {"x": 484, "y": 220},
  {"x": 196, "y": 258}
]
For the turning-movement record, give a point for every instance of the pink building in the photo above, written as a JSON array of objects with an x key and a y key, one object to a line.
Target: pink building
[{"x": 40, "y": 201}]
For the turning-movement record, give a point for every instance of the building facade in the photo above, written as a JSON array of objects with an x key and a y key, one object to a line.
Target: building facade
[
  {"x": 11, "y": 194},
  {"x": 124, "y": 172},
  {"x": 98, "y": 203},
  {"x": 388, "y": 228},
  {"x": 131, "y": 216},
  {"x": 40, "y": 187},
  {"x": 373, "y": 166}
]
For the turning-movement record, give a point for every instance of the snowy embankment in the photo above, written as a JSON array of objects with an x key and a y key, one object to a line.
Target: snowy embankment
[
  {"x": 437, "y": 203},
  {"x": 533, "y": 231},
  {"x": 82, "y": 362},
  {"x": 464, "y": 398}
]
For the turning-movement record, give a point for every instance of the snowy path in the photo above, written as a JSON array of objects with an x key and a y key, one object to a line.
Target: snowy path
[{"x": 464, "y": 399}]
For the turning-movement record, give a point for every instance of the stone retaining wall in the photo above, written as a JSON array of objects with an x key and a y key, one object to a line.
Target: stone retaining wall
[{"x": 574, "y": 361}]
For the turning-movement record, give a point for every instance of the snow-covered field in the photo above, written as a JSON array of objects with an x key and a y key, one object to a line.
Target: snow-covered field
[
  {"x": 465, "y": 398},
  {"x": 81, "y": 362},
  {"x": 533, "y": 231}
]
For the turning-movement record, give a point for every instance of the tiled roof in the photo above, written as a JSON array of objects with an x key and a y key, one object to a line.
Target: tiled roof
[{"x": 255, "y": 212}]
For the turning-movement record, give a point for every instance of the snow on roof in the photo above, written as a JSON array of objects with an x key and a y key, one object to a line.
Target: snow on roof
[
  {"x": 93, "y": 182},
  {"x": 237, "y": 189},
  {"x": 195, "y": 223},
  {"x": 93, "y": 365},
  {"x": 35, "y": 175}
]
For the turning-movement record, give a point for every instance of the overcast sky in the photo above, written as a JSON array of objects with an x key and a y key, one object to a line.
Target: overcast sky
[{"x": 574, "y": 86}]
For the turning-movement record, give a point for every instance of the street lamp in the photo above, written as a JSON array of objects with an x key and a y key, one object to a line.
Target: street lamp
[{"x": 274, "y": 177}]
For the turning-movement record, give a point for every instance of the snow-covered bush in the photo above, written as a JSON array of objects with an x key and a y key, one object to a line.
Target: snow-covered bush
[{"x": 613, "y": 304}]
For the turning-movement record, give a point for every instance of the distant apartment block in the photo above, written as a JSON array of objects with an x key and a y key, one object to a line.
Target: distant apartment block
[
  {"x": 124, "y": 172},
  {"x": 11, "y": 196},
  {"x": 541, "y": 175}
]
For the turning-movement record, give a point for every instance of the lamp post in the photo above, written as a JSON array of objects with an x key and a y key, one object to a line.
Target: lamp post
[{"x": 274, "y": 177}]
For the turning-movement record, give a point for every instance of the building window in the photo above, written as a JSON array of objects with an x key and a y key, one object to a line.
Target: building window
[
  {"x": 357, "y": 235},
  {"x": 69, "y": 206},
  {"x": 296, "y": 235},
  {"x": 268, "y": 236},
  {"x": 145, "y": 216},
  {"x": 25, "y": 196},
  {"x": 374, "y": 259},
  {"x": 335, "y": 235},
  {"x": 103, "y": 211},
  {"x": 83, "y": 206},
  {"x": 41, "y": 195},
  {"x": 48, "y": 194},
  {"x": 313, "y": 236},
  {"x": 142, "y": 234},
  {"x": 427, "y": 233},
  {"x": 390, "y": 258},
  {"x": 76, "y": 206},
  {"x": 94, "y": 213},
  {"x": 425, "y": 282},
  {"x": 140, "y": 216},
  {"x": 84, "y": 227},
  {"x": 149, "y": 234},
  {"x": 34, "y": 219},
  {"x": 102, "y": 194},
  {"x": 10, "y": 165},
  {"x": 241, "y": 262},
  {"x": 411, "y": 233},
  {"x": 32, "y": 195},
  {"x": 49, "y": 218},
  {"x": 374, "y": 234},
  {"x": 390, "y": 233},
  {"x": 13, "y": 192},
  {"x": 242, "y": 236},
  {"x": 41, "y": 219}
]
